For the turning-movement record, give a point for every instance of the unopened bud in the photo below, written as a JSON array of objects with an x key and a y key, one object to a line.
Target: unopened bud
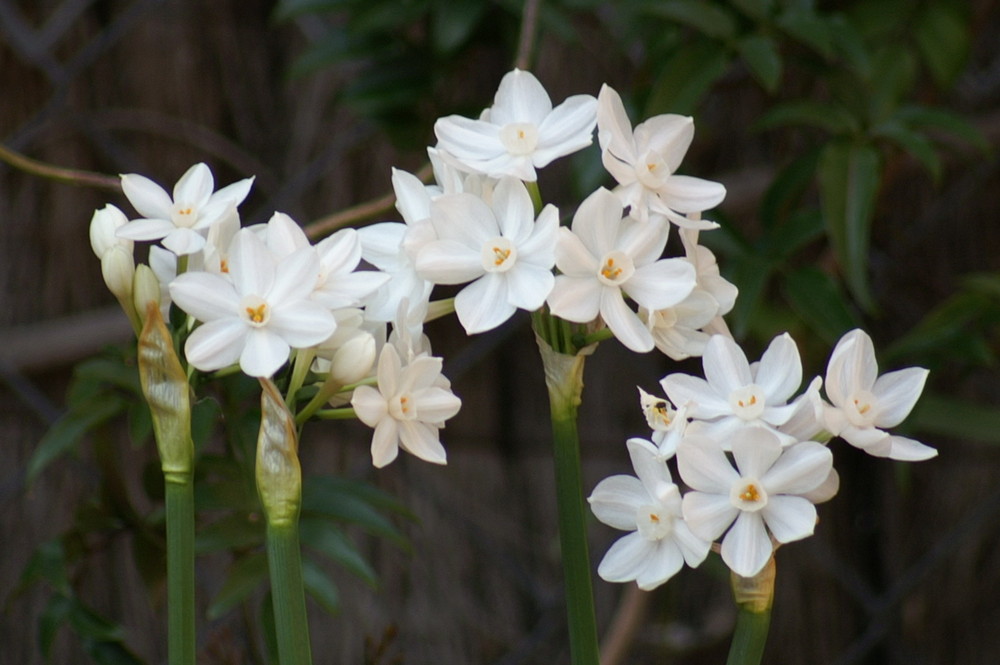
[
  {"x": 118, "y": 269},
  {"x": 353, "y": 361},
  {"x": 103, "y": 227},
  {"x": 145, "y": 288}
]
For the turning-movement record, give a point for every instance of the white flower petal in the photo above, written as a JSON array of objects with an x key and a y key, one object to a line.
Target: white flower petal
[
  {"x": 726, "y": 367},
  {"x": 385, "y": 442},
  {"x": 520, "y": 98},
  {"x": 597, "y": 222},
  {"x": 294, "y": 277},
  {"x": 216, "y": 344},
  {"x": 412, "y": 199},
  {"x": 514, "y": 211},
  {"x": 686, "y": 194},
  {"x": 852, "y": 367},
  {"x": 449, "y": 262},
  {"x": 789, "y": 518},
  {"x": 576, "y": 299},
  {"x": 662, "y": 564},
  {"x": 568, "y": 128},
  {"x": 251, "y": 266},
  {"x": 625, "y": 558},
  {"x": 145, "y": 229},
  {"x": 182, "y": 241},
  {"x": 662, "y": 284},
  {"x": 649, "y": 467},
  {"x": 369, "y": 405},
  {"x": 302, "y": 323},
  {"x": 195, "y": 186},
  {"x": 802, "y": 468},
  {"x": 528, "y": 286},
  {"x": 704, "y": 466},
  {"x": 708, "y": 515},
  {"x": 436, "y": 405},
  {"x": 573, "y": 258},
  {"x": 779, "y": 373},
  {"x": 747, "y": 547},
  {"x": 483, "y": 304},
  {"x": 615, "y": 500},
  {"x": 623, "y": 322},
  {"x": 897, "y": 393},
  {"x": 148, "y": 198},
  {"x": 703, "y": 401},
  {"x": 669, "y": 134},
  {"x": 909, "y": 450},
  {"x": 265, "y": 351},
  {"x": 381, "y": 245},
  {"x": 422, "y": 440},
  {"x": 205, "y": 296}
]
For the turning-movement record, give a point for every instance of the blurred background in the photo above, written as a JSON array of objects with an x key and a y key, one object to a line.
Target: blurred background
[{"x": 857, "y": 140}]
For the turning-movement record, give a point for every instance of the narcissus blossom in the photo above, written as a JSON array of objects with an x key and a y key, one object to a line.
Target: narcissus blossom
[
  {"x": 501, "y": 248},
  {"x": 865, "y": 403},
  {"x": 644, "y": 162},
  {"x": 603, "y": 258},
  {"x": 179, "y": 220},
  {"x": 759, "y": 499},
  {"x": 650, "y": 507},
  {"x": 733, "y": 393},
  {"x": 407, "y": 409},
  {"x": 257, "y": 314},
  {"x": 521, "y": 132}
]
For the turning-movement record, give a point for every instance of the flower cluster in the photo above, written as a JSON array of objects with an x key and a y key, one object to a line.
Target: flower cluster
[
  {"x": 264, "y": 298},
  {"x": 754, "y": 457}
]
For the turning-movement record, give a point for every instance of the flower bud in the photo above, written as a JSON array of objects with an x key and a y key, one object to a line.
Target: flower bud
[
  {"x": 103, "y": 227},
  {"x": 353, "y": 361},
  {"x": 118, "y": 269},
  {"x": 145, "y": 288}
]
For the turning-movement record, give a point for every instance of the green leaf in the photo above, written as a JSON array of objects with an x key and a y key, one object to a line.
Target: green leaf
[
  {"x": 709, "y": 19},
  {"x": 956, "y": 418},
  {"x": 894, "y": 71},
  {"x": 849, "y": 181},
  {"x": 685, "y": 78},
  {"x": 349, "y": 508},
  {"x": 53, "y": 617},
  {"x": 760, "y": 52},
  {"x": 244, "y": 576},
  {"x": 787, "y": 188},
  {"x": 943, "y": 38},
  {"x": 801, "y": 228},
  {"x": 913, "y": 143},
  {"x": 751, "y": 273},
  {"x": 233, "y": 532},
  {"x": 206, "y": 413},
  {"x": 333, "y": 47},
  {"x": 319, "y": 585},
  {"x": 66, "y": 431},
  {"x": 926, "y": 118},
  {"x": 378, "y": 498},
  {"x": 851, "y": 47},
  {"x": 110, "y": 653},
  {"x": 808, "y": 28},
  {"x": 830, "y": 117},
  {"x": 325, "y": 537},
  {"x": 112, "y": 371},
  {"x": 453, "y": 23},
  {"x": 48, "y": 564},
  {"x": 90, "y": 625},
  {"x": 816, "y": 298}
]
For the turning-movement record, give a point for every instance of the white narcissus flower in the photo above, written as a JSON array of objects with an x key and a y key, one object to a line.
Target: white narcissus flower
[
  {"x": 407, "y": 409},
  {"x": 733, "y": 394},
  {"x": 677, "y": 330},
  {"x": 643, "y": 162},
  {"x": 760, "y": 499},
  {"x": 104, "y": 225},
  {"x": 178, "y": 220},
  {"x": 668, "y": 424},
  {"x": 650, "y": 507},
  {"x": 501, "y": 248},
  {"x": 865, "y": 403},
  {"x": 520, "y": 132},
  {"x": 256, "y": 315},
  {"x": 603, "y": 258},
  {"x": 392, "y": 247}
]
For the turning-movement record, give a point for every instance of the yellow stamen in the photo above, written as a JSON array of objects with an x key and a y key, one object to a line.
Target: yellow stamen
[
  {"x": 862, "y": 409},
  {"x": 750, "y": 493},
  {"x": 258, "y": 313},
  {"x": 610, "y": 271},
  {"x": 654, "y": 518},
  {"x": 501, "y": 255}
]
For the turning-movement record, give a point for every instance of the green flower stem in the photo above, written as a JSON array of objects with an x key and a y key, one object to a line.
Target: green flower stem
[
  {"x": 754, "y": 597},
  {"x": 329, "y": 388},
  {"x": 284, "y": 561},
  {"x": 564, "y": 380},
  {"x": 279, "y": 484},
  {"x": 346, "y": 413},
  {"x": 180, "y": 569},
  {"x": 166, "y": 389}
]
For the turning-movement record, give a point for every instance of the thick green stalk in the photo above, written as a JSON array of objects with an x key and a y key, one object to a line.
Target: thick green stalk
[
  {"x": 753, "y": 596},
  {"x": 166, "y": 389},
  {"x": 180, "y": 569},
  {"x": 279, "y": 483},
  {"x": 564, "y": 380},
  {"x": 284, "y": 561}
]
